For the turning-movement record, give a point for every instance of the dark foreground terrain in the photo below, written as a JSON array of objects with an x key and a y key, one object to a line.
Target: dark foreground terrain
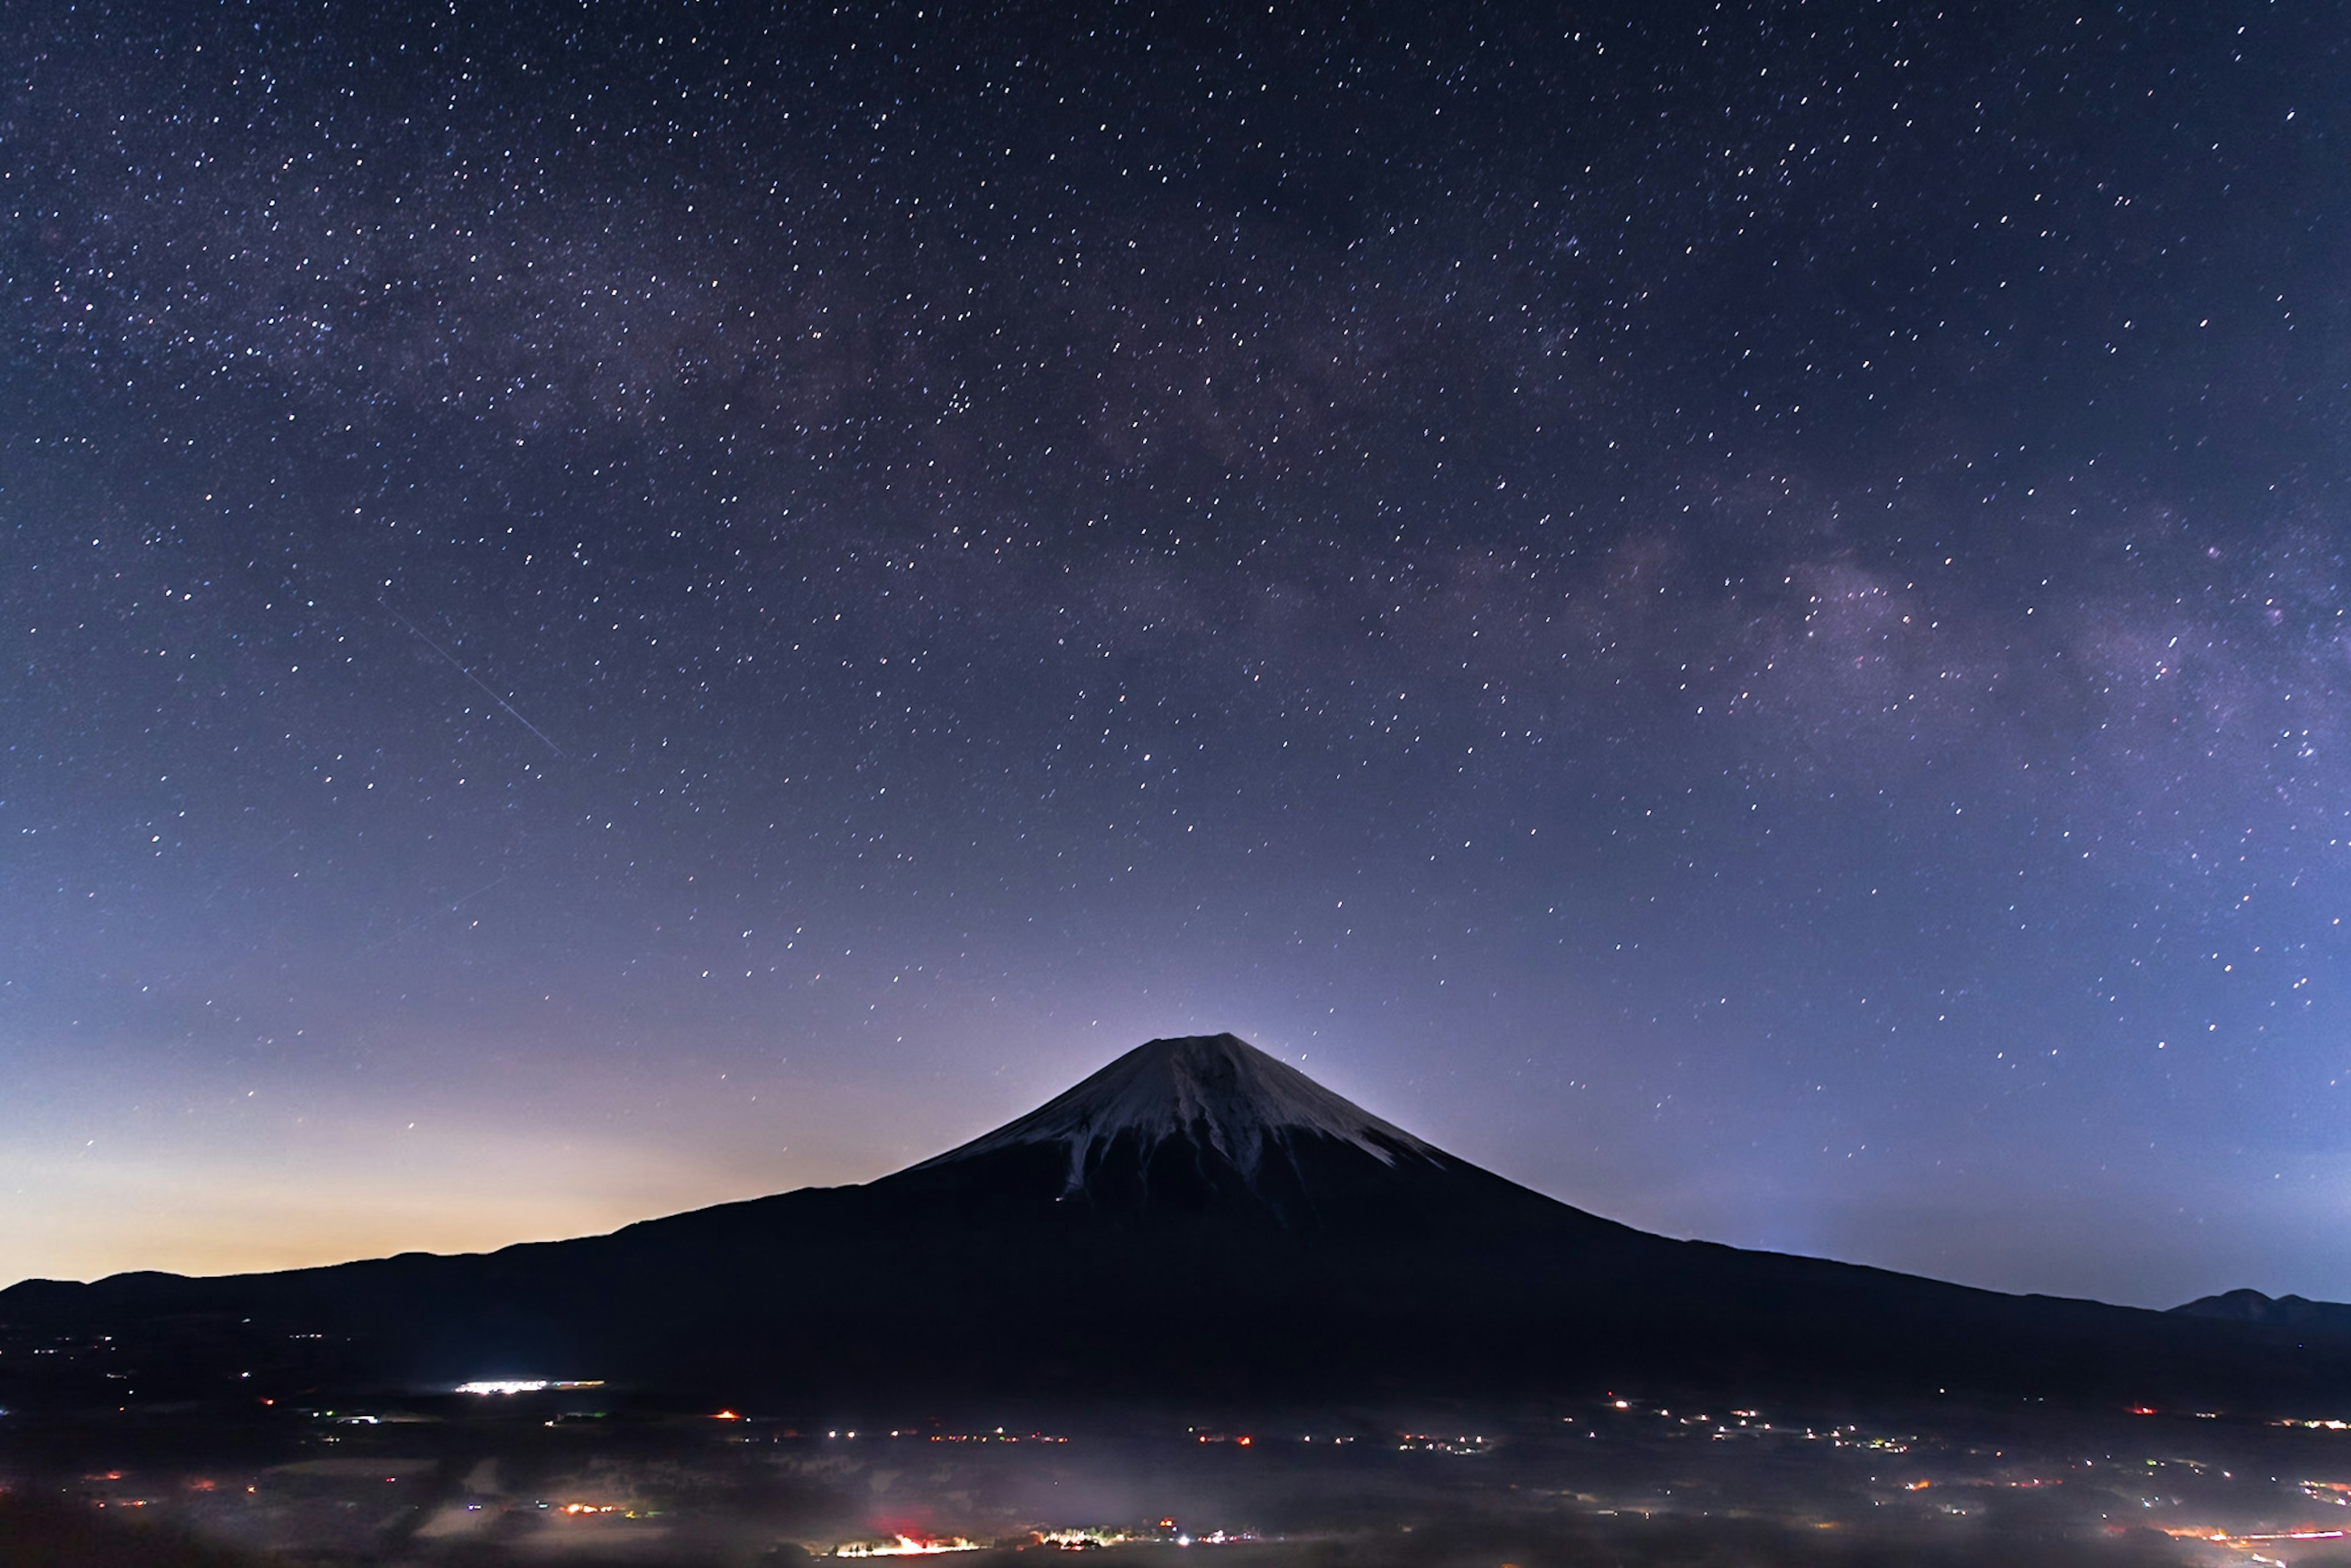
[{"x": 560, "y": 1477}]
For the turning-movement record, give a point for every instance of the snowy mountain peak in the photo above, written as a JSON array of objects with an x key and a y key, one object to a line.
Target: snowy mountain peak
[{"x": 1216, "y": 1088}]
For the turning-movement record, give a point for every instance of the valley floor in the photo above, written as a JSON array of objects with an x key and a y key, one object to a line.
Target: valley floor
[{"x": 555, "y": 1476}]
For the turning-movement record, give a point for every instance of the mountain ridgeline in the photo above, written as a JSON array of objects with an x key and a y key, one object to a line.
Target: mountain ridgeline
[
  {"x": 2285, "y": 1311},
  {"x": 1197, "y": 1221}
]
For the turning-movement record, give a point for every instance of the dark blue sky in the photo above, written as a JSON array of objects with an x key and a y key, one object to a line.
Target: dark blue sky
[{"x": 1735, "y": 612}]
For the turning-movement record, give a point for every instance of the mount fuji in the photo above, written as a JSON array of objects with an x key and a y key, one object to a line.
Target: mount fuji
[
  {"x": 1219, "y": 1095},
  {"x": 1197, "y": 1221}
]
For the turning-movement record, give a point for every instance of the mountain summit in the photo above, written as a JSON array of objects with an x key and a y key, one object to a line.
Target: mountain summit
[
  {"x": 1217, "y": 1091},
  {"x": 1201, "y": 1131}
]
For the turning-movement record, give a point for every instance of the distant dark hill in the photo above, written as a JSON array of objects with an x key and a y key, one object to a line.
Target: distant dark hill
[
  {"x": 1198, "y": 1221},
  {"x": 2285, "y": 1311}
]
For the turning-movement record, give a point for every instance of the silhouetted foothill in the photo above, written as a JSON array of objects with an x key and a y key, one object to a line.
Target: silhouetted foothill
[{"x": 2288, "y": 1311}]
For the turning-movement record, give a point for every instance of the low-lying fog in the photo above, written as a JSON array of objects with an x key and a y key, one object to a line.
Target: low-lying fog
[{"x": 555, "y": 1476}]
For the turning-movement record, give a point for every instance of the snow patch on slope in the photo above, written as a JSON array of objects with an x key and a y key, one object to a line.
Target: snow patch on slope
[{"x": 1217, "y": 1088}]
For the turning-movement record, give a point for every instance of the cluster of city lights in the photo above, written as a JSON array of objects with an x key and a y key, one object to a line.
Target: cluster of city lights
[
  {"x": 1075, "y": 1538},
  {"x": 906, "y": 1546}
]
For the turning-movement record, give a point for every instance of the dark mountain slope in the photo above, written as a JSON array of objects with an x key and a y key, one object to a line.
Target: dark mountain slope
[{"x": 1196, "y": 1221}]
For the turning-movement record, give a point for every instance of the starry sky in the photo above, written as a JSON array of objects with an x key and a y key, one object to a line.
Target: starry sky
[{"x": 1734, "y": 611}]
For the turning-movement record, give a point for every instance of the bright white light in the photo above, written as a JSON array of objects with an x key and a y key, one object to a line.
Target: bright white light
[{"x": 527, "y": 1385}]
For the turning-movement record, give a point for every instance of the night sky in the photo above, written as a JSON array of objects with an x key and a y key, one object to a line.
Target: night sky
[{"x": 1736, "y": 613}]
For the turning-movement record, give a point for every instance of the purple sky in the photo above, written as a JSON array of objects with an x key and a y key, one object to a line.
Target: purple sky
[{"x": 1735, "y": 613}]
